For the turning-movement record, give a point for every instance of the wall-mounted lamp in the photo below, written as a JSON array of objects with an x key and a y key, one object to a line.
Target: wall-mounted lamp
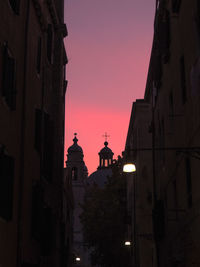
[
  {"x": 127, "y": 243},
  {"x": 129, "y": 167},
  {"x": 78, "y": 259}
]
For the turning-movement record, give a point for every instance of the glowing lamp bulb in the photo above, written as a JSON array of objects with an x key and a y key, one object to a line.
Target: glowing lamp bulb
[
  {"x": 127, "y": 243},
  {"x": 78, "y": 259},
  {"x": 129, "y": 167}
]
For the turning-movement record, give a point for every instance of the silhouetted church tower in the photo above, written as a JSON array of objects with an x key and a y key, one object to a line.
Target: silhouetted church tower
[
  {"x": 105, "y": 156},
  {"x": 77, "y": 173},
  {"x": 75, "y": 162},
  {"x": 104, "y": 170}
]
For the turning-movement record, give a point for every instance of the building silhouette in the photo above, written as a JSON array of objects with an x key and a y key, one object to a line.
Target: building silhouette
[
  {"x": 32, "y": 103},
  {"x": 77, "y": 174},
  {"x": 168, "y": 188},
  {"x": 104, "y": 170}
]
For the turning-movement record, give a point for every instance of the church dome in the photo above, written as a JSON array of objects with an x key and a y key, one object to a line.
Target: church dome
[
  {"x": 99, "y": 177},
  {"x": 75, "y": 147},
  {"x": 106, "y": 151}
]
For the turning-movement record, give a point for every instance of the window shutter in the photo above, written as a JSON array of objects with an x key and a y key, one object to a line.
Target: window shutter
[
  {"x": 8, "y": 86},
  {"x": 37, "y": 211},
  {"x": 183, "y": 82},
  {"x": 39, "y": 49},
  {"x": 6, "y": 186},
  {"x": 48, "y": 147},
  {"x": 38, "y": 129},
  {"x": 49, "y": 42}
]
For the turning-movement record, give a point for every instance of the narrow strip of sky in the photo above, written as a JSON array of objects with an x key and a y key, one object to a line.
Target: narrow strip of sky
[{"x": 108, "y": 48}]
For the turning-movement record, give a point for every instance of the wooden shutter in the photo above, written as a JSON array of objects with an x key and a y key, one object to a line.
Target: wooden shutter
[
  {"x": 38, "y": 129},
  {"x": 49, "y": 42},
  {"x": 6, "y": 186},
  {"x": 48, "y": 151},
  {"x": 8, "y": 86}
]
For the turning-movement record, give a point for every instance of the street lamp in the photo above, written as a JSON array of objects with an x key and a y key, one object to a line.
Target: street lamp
[
  {"x": 157, "y": 212},
  {"x": 129, "y": 167},
  {"x": 78, "y": 259},
  {"x": 127, "y": 243},
  {"x": 193, "y": 152}
]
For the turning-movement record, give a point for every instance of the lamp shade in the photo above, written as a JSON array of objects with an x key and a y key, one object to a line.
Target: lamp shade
[{"x": 129, "y": 167}]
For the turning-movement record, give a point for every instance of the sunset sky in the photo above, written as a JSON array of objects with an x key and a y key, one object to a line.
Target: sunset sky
[{"x": 108, "y": 48}]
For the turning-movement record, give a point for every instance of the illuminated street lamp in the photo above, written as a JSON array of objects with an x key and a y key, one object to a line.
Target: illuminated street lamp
[
  {"x": 129, "y": 167},
  {"x": 78, "y": 259},
  {"x": 127, "y": 243}
]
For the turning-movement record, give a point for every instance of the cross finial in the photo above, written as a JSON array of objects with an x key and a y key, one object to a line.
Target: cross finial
[
  {"x": 106, "y": 136},
  {"x": 75, "y": 138}
]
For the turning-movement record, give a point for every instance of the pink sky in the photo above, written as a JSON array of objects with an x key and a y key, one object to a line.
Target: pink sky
[{"x": 108, "y": 48}]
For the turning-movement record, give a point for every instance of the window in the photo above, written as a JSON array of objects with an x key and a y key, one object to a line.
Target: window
[
  {"x": 15, "y": 5},
  {"x": 38, "y": 129},
  {"x": 171, "y": 111},
  {"x": 159, "y": 219},
  {"x": 48, "y": 151},
  {"x": 161, "y": 132},
  {"x": 37, "y": 211},
  {"x": 8, "y": 80},
  {"x": 188, "y": 182},
  {"x": 171, "y": 104},
  {"x": 6, "y": 185},
  {"x": 164, "y": 35},
  {"x": 42, "y": 220},
  {"x": 49, "y": 42},
  {"x": 183, "y": 83},
  {"x": 157, "y": 70},
  {"x": 47, "y": 235},
  {"x": 39, "y": 48},
  {"x": 176, "y": 6},
  {"x": 175, "y": 198},
  {"x": 74, "y": 174}
]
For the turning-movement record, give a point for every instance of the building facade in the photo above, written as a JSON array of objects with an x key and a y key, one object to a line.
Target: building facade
[
  {"x": 32, "y": 103},
  {"x": 173, "y": 93},
  {"x": 139, "y": 186}
]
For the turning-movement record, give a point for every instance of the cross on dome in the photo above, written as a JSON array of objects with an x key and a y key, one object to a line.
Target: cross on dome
[{"x": 106, "y": 136}]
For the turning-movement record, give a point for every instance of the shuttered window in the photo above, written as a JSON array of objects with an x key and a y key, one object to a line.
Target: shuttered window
[
  {"x": 6, "y": 186},
  {"x": 48, "y": 151},
  {"x": 49, "y": 42},
  {"x": 37, "y": 211},
  {"x": 39, "y": 51},
  {"x": 8, "y": 80},
  {"x": 188, "y": 182},
  {"x": 74, "y": 173},
  {"x": 38, "y": 129},
  {"x": 183, "y": 81}
]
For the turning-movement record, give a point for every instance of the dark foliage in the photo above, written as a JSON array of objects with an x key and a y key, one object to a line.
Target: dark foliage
[{"x": 103, "y": 222}]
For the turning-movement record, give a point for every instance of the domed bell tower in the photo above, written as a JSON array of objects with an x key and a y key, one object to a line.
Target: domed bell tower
[
  {"x": 75, "y": 162},
  {"x": 105, "y": 156}
]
